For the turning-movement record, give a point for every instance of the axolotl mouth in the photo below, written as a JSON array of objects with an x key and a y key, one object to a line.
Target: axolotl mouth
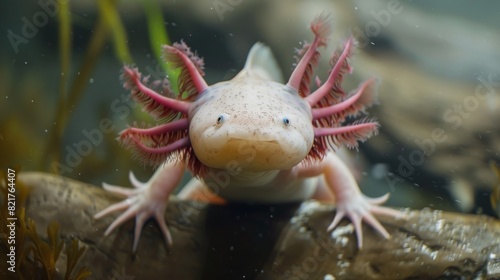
[
  {"x": 252, "y": 155},
  {"x": 251, "y": 150}
]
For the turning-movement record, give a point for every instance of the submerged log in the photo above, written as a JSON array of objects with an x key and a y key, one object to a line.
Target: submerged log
[{"x": 241, "y": 241}]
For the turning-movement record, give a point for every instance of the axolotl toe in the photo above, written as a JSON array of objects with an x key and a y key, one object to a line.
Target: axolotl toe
[{"x": 252, "y": 138}]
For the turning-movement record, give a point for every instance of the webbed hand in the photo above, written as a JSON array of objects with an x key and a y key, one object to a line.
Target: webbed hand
[{"x": 146, "y": 200}]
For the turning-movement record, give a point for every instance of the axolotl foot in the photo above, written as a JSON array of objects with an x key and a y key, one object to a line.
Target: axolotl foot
[
  {"x": 360, "y": 208},
  {"x": 140, "y": 203},
  {"x": 340, "y": 186}
]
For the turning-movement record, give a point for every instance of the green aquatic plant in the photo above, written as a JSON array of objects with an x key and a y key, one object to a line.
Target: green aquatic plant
[
  {"x": 35, "y": 257},
  {"x": 158, "y": 36},
  {"x": 109, "y": 27},
  {"x": 495, "y": 192},
  {"x": 109, "y": 13},
  {"x": 73, "y": 253},
  {"x": 40, "y": 255},
  {"x": 64, "y": 17},
  {"x": 70, "y": 96}
]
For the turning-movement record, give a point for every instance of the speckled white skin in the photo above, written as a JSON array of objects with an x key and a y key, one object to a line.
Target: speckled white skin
[{"x": 253, "y": 133}]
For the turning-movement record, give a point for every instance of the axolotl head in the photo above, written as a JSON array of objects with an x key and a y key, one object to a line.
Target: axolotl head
[{"x": 253, "y": 122}]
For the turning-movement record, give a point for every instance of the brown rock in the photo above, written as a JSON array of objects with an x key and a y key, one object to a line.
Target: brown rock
[{"x": 286, "y": 241}]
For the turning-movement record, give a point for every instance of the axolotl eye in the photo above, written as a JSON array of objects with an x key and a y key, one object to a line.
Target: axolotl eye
[
  {"x": 286, "y": 121},
  {"x": 221, "y": 119}
]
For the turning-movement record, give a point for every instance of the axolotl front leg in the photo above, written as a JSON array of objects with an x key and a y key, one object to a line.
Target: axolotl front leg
[
  {"x": 146, "y": 200},
  {"x": 165, "y": 142},
  {"x": 339, "y": 185}
]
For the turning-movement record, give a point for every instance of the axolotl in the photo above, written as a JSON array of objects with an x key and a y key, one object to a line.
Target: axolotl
[{"x": 252, "y": 138}]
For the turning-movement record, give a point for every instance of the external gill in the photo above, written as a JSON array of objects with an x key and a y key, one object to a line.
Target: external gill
[
  {"x": 329, "y": 103},
  {"x": 191, "y": 82},
  {"x": 331, "y": 90},
  {"x": 150, "y": 141},
  {"x": 357, "y": 102},
  {"x": 155, "y": 145},
  {"x": 349, "y": 135},
  {"x": 158, "y": 106},
  {"x": 301, "y": 76}
]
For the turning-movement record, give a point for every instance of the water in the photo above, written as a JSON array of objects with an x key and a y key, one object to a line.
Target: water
[{"x": 438, "y": 96}]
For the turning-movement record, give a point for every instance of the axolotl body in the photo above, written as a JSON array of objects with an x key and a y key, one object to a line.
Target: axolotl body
[{"x": 252, "y": 138}]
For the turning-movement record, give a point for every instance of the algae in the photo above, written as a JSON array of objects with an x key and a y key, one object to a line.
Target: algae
[{"x": 35, "y": 257}]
